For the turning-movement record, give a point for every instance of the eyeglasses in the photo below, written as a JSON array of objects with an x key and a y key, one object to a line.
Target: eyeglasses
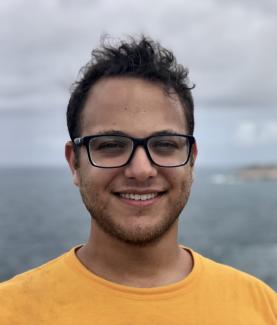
[{"x": 113, "y": 151}]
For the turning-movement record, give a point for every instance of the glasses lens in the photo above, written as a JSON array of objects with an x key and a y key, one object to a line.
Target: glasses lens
[
  {"x": 110, "y": 151},
  {"x": 169, "y": 150}
]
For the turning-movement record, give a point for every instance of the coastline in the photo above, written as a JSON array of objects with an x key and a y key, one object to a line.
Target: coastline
[{"x": 258, "y": 172}]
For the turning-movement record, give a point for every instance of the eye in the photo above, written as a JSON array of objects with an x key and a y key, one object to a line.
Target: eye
[
  {"x": 168, "y": 145},
  {"x": 110, "y": 146},
  {"x": 164, "y": 145}
]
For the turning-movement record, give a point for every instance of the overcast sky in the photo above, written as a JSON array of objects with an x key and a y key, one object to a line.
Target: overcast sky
[{"x": 229, "y": 47}]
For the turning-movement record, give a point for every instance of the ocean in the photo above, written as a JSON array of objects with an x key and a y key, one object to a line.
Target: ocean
[{"x": 227, "y": 219}]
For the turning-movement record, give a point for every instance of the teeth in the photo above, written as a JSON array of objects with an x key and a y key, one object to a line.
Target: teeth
[{"x": 138, "y": 197}]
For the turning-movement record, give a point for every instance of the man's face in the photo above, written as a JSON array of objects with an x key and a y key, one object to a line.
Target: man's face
[{"x": 137, "y": 108}]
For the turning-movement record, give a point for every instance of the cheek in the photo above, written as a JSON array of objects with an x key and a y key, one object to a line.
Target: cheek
[
  {"x": 97, "y": 179},
  {"x": 180, "y": 181},
  {"x": 176, "y": 176}
]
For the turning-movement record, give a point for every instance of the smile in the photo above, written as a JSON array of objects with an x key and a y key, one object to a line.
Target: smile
[{"x": 138, "y": 197}]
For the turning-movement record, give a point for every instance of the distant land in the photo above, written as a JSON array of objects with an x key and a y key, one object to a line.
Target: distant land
[{"x": 258, "y": 172}]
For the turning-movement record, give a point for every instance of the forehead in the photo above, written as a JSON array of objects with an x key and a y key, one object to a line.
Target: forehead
[{"x": 134, "y": 106}]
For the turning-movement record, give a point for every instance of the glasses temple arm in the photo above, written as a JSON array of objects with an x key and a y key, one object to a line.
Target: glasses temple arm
[{"x": 78, "y": 141}]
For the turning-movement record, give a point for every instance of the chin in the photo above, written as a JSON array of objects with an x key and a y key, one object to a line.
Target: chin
[{"x": 137, "y": 233}]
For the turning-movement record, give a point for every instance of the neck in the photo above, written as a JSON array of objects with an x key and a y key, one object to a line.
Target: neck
[{"x": 160, "y": 263}]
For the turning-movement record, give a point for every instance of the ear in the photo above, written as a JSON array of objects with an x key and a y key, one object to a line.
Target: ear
[
  {"x": 194, "y": 152},
  {"x": 71, "y": 160},
  {"x": 193, "y": 158}
]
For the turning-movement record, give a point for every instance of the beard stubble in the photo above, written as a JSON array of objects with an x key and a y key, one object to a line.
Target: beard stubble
[{"x": 139, "y": 236}]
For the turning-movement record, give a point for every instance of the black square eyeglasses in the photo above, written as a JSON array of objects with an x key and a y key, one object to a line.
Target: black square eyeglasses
[{"x": 116, "y": 150}]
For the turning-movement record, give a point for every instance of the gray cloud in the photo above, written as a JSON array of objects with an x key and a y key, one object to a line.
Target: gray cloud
[
  {"x": 267, "y": 7},
  {"x": 229, "y": 48}
]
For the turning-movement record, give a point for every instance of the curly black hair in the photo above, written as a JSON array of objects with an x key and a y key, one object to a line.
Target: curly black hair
[{"x": 143, "y": 59}]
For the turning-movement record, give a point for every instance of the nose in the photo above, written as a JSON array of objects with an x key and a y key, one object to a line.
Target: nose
[{"x": 140, "y": 167}]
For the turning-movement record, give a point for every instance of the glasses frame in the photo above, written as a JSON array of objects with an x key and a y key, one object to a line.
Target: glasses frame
[{"x": 84, "y": 141}]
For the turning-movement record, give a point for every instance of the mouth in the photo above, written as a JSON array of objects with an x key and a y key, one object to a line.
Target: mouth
[{"x": 139, "y": 199}]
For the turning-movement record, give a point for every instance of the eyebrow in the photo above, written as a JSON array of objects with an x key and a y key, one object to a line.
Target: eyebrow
[
  {"x": 110, "y": 132},
  {"x": 118, "y": 132},
  {"x": 169, "y": 131}
]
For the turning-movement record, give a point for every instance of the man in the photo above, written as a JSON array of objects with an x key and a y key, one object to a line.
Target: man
[{"x": 132, "y": 155}]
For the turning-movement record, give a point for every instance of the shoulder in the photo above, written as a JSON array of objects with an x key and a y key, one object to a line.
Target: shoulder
[
  {"x": 236, "y": 285},
  {"x": 31, "y": 274},
  {"x": 225, "y": 272},
  {"x": 33, "y": 284},
  {"x": 39, "y": 292}
]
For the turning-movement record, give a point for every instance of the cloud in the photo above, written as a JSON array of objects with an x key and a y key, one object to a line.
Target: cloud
[
  {"x": 267, "y": 7},
  {"x": 256, "y": 133},
  {"x": 230, "y": 48}
]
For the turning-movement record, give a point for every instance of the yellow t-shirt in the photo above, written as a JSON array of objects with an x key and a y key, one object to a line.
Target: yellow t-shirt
[{"x": 64, "y": 292}]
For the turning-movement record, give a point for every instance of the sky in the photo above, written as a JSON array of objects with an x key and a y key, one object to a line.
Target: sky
[{"x": 229, "y": 47}]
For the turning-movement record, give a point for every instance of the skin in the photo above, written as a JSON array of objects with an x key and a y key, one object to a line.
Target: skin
[{"x": 133, "y": 244}]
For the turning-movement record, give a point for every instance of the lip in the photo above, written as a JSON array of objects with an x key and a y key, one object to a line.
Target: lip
[
  {"x": 140, "y": 192},
  {"x": 140, "y": 203}
]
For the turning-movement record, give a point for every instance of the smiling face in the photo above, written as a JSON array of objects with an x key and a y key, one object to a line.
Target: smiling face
[{"x": 140, "y": 202}]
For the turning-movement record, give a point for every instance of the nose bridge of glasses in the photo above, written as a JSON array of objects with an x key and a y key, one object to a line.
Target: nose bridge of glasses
[{"x": 140, "y": 142}]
